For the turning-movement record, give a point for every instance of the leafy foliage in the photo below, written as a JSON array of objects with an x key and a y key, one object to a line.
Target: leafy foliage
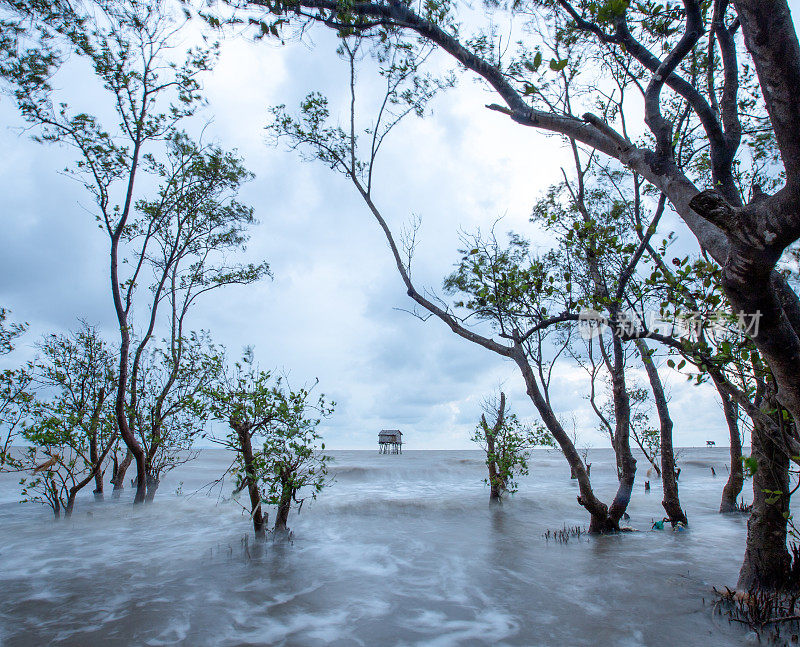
[
  {"x": 508, "y": 444},
  {"x": 290, "y": 464},
  {"x": 9, "y": 332},
  {"x": 71, "y": 424}
]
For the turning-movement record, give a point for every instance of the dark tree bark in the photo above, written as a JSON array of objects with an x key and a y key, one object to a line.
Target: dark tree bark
[
  {"x": 98, "y": 486},
  {"x": 747, "y": 279},
  {"x": 153, "y": 479},
  {"x": 766, "y": 560},
  {"x": 119, "y": 473},
  {"x": 152, "y": 487},
  {"x": 284, "y": 505},
  {"x": 56, "y": 500},
  {"x": 94, "y": 454},
  {"x": 730, "y": 493},
  {"x": 246, "y": 447},
  {"x": 622, "y": 445},
  {"x": 671, "y": 501},
  {"x": 496, "y": 484}
]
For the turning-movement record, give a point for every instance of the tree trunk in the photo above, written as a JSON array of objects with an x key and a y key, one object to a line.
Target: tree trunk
[
  {"x": 98, "y": 486},
  {"x": 70, "y": 504},
  {"x": 671, "y": 501},
  {"x": 119, "y": 473},
  {"x": 56, "y": 501},
  {"x": 135, "y": 448},
  {"x": 736, "y": 477},
  {"x": 94, "y": 454},
  {"x": 152, "y": 487},
  {"x": 283, "y": 514},
  {"x": 496, "y": 484},
  {"x": 494, "y": 480},
  {"x": 622, "y": 445},
  {"x": 748, "y": 285},
  {"x": 600, "y": 521},
  {"x": 153, "y": 479},
  {"x": 766, "y": 559},
  {"x": 246, "y": 448}
]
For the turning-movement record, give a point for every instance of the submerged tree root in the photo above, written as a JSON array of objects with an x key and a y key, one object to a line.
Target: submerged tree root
[
  {"x": 563, "y": 535},
  {"x": 774, "y": 616}
]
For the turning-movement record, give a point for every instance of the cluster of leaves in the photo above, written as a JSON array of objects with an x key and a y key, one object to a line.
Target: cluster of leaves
[
  {"x": 9, "y": 332},
  {"x": 15, "y": 395},
  {"x": 352, "y": 151},
  {"x": 506, "y": 285}
]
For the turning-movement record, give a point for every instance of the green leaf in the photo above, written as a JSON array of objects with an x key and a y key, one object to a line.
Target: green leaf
[{"x": 750, "y": 465}]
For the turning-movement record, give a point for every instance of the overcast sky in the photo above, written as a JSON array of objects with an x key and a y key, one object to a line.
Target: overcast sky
[{"x": 332, "y": 309}]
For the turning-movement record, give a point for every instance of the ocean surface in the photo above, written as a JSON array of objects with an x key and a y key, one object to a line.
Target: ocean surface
[{"x": 399, "y": 550}]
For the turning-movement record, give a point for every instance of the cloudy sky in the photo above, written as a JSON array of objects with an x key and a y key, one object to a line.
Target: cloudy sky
[{"x": 334, "y": 308}]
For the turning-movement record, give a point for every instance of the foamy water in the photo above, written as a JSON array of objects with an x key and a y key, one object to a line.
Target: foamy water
[{"x": 400, "y": 550}]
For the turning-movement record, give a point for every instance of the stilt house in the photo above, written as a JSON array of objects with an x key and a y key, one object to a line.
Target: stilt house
[{"x": 390, "y": 441}]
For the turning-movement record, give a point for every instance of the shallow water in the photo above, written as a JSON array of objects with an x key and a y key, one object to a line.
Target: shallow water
[{"x": 400, "y": 550}]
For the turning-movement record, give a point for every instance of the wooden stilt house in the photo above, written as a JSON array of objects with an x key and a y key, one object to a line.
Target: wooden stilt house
[{"x": 390, "y": 441}]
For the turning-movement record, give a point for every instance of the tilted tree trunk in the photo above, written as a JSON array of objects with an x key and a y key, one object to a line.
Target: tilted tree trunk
[
  {"x": 246, "y": 447},
  {"x": 601, "y": 519},
  {"x": 730, "y": 493},
  {"x": 671, "y": 501},
  {"x": 119, "y": 473},
  {"x": 96, "y": 467}
]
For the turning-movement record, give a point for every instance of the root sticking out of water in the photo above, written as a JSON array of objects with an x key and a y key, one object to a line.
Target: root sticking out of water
[
  {"x": 773, "y": 616},
  {"x": 563, "y": 535}
]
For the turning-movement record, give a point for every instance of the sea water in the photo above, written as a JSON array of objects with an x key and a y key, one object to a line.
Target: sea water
[{"x": 399, "y": 550}]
